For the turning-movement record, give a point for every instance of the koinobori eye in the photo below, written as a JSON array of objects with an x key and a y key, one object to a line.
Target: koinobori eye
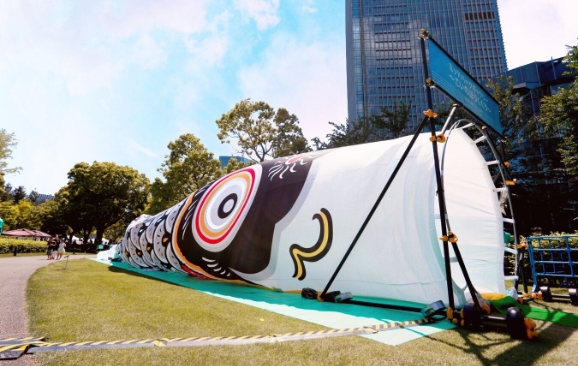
[{"x": 223, "y": 207}]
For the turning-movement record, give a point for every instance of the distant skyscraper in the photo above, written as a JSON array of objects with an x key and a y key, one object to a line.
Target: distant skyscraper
[{"x": 384, "y": 62}]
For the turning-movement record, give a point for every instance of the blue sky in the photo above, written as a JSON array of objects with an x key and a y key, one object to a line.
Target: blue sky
[{"x": 118, "y": 80}]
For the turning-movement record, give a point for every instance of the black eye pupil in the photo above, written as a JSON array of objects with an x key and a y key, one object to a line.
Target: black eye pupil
[{"x": 221, "y": 212}]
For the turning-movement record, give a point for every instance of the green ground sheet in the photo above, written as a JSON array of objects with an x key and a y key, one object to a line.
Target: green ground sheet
[{"x": 332, "y": 315}]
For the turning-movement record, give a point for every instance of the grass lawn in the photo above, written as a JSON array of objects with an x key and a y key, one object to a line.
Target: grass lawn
[{"x": 89, "y": 302}]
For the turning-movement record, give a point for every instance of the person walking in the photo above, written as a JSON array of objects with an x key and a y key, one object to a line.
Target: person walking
[
  {"x": 49, "y": 248},
  {"x": 1, "y": 223},
  {"x": 52, "y": 247},
  {"x": 61, "y": 249}
]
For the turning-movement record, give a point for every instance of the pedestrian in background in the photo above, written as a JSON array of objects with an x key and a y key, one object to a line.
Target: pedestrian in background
[
  {"x": 61, "y": 250},
  {"x": 48, "y": 249},
  {"x": 52, "y": 247}
]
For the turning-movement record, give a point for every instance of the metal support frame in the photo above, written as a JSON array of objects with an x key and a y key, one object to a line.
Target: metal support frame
[
  {"x": 441, "y": 194},
  {"x": 375, "y": 205},
  {"x": 429, "y": 119}
]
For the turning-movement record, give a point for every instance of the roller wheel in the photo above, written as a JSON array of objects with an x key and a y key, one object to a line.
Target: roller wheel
[
  {"x": 572, "y": 293},
  {"x": 546, "y": 293},
  {"x": 515, "y": 323},
  {"x": 471, "y": 316}
]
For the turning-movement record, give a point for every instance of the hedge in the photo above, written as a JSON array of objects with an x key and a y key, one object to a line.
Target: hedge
[{"x": 23, "y": 246}]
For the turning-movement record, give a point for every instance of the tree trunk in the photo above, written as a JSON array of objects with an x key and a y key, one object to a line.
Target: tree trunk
[{"x": 99, "y": 234}]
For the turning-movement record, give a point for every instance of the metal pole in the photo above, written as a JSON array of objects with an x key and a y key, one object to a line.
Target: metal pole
[
  {"x": 375, "y": 205},
  {"x": 441, "y": 199},
  {"x": 449, "y": 119}
]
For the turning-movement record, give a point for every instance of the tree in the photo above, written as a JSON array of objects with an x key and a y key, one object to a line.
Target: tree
[
  {"x": 7, "y": 142},
  {"x": 544, "y": 152},
  {"x": 559, "y": 116},
  {"x": 115, "y": 232},
  {"x": 260, "y": 132},
  {"x": 390, "y": 123},
  {"x": 572, "y": 59},
  {"x": 23, "y": 214},
  {"x": 233, "y": 165},
  {"x": 9, "y": 214},
  {"x": 52, "y": 217},
  {"x": 290, "y": 139},
  {"x": 33, "y": 196},
  {"x": 5, "y": 190},
  {"x": 18, "y": 194},
  {"x": 515, "y": 116},
  {"x": 188, "y": 167},
  {"x": 105, "y": 193},
  {"x": 350, "y": 133},
  {"x": 70, "y": 215},
  {"x": 386, "y": 125}
]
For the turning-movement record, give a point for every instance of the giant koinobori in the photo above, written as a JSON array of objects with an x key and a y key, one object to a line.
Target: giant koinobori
[
  {"x": 287, "y": 223},
  {"x": 218, "y": 233}
]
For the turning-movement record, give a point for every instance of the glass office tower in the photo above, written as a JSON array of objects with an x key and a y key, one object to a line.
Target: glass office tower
[{"x": 384, "y": 63}]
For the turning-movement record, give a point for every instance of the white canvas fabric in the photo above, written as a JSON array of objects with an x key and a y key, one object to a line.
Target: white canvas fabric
[
  {"x": 287, "y": 223},
  {"x": 399, "y": 255}
]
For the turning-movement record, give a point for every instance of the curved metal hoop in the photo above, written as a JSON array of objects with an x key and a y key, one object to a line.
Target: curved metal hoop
[{"x": 501, "y": 191}]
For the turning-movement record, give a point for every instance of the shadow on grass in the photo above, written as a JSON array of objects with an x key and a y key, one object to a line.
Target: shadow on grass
[{"x": 497, "y": 348}]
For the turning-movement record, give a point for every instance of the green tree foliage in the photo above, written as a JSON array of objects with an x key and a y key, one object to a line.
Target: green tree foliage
[
  {"x": 7, "y": 143},
  {"x": 572, "y": 59},
  {"x": 188, "y": 167},
  {"x": 260, "y": 132},
  {"x": 5, "y": 190},
  {"x": 521, "y": 139},
  {"x": 233, "y": 165},
  {"x": 559, "y": 117},
  {"x": 115, "y": 232},
  {"x": 52, "y": 216},
  {"x": 350, "y": 133},
  {"x": 545, "y": 153},
  {"x": 515, "y": 116},
  {"x": 9, "y": 215},
  {"x": 390, "y": 123},
  {"x": 18, "y": 194},
  {"x": 443, "y": 110},
  {"x": 69, "y": 215},
  {"x": 23, "y": 214},
  {"x": 33, "y": 196},
  {"x": 386, "y": 125},
  {"x": 104, "y": 194}
]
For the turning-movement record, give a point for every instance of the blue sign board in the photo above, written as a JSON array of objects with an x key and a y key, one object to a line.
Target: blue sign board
[{"x": 460, "y": 86}]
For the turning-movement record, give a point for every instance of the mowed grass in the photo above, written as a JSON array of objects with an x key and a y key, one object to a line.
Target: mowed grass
[{"x": 88, "y": 301}]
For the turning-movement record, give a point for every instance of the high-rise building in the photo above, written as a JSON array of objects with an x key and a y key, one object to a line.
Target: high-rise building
[
  {"x": 384, "y": 62},
  {"x": 534, "y": 81}
]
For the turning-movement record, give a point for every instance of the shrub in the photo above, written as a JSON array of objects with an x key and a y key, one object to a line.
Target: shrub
[{"x": 23, "y": 245}]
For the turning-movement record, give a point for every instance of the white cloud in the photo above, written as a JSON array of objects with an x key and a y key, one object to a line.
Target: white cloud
[
  {"x": 135, "y": 146},
  {"x": 537, "y": 30},
  {"x": 309, "y": 9},
  {"x": 88, "y": 44},
  {"x": 308, "y": 79},
  {"x": 148, "y": 53},
  {"x": 263, "y": 12},
  {"x": 306, "y": 5},
  {"x": 210, "y": 50}
]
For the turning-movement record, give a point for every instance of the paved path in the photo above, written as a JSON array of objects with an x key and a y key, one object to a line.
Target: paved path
[{"x": 14, "y": 273}]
